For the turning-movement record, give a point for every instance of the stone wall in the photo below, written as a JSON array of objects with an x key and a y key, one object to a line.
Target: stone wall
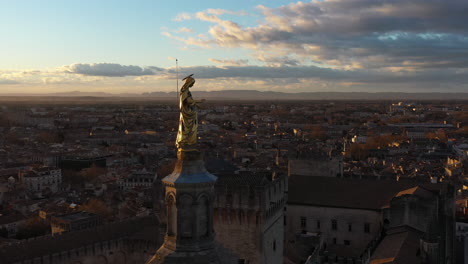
[
  {"x": 412, "y": 211},
  {"x": 128, "y": 242},
  {"x": 249, "y": 219},
  {"x": 243, "y": 238},
  {"x": 344, "y": 217},
  {"x": 273, "y": 240},
  {"x": 108, "y": 252}
]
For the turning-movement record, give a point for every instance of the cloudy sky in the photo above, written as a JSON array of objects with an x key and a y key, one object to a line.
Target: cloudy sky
[{"x": 331, "y": 45}]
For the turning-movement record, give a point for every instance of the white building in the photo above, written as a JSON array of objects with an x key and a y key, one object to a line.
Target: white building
[
  {"x": 139, "y": 179},
  {"x": 41, "y": 179}
]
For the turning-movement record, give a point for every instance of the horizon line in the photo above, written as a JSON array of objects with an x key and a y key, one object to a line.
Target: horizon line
[{"x": 210, "y": 91}]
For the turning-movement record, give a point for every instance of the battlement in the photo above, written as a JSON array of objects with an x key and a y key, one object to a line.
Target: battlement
[{"x": 134, "y": 238}]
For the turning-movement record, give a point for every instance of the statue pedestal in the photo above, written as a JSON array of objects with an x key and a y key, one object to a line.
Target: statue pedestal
[
  {"x": 189, "y": 169},
  {"x": 189, "y": 195}
]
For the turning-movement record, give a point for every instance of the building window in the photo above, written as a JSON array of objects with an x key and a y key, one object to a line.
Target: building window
[
  {"x": 285, "y": 220},
  {"x": 334, "y": 224},
  {"x": 318, "y": 224},
  {"x": 347, "y": 242},
  {"x": 334, "y": 240},
  {"x": 350, "y": 227},
  {"x": 303, "y": 222},
  {"x": 274, "y": 245},
  {"x": 367, "y": 228}
]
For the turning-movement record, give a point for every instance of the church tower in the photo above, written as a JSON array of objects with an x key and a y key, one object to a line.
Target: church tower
[
  {"x": 189, "y": 197},
  {"x": 189, "y": 192}
]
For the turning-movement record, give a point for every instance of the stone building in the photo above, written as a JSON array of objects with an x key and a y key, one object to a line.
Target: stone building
[
  {"x": 142, "y": 179},
  {"x": 249, "y": 215},
  {"x": 41, "y": 179},
  {"x": 189, "y": 198},
  {"x": 127, "y": 242},
  {"x": 362, "y": 221},
  {"x": 73, "y": 222},
  {"x": 347, "y": 213},
  {"x": 419, "y": 226}
]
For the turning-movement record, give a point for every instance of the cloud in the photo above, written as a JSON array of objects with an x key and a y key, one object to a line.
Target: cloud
[
  {"x": 189, "y": 41},
  {"x": 231, "y": 62},
  {"x": 182, "y": 17},
  {"x": 369, "y": 34},
  {"x": 213, "y": 12},
  {"x": 184, "y": 30},
  {"x": 261, "y": 77},
  {"x": 6, "y": 82},
  {"x": 323, "y": 74},
  {"x": 277, "y": 60},
  {"x": 218, "y": 12},
  {"x": 110, "y": 69}
]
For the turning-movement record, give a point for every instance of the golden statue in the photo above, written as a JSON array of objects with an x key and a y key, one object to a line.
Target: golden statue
[{"x": 188, "y": 122}]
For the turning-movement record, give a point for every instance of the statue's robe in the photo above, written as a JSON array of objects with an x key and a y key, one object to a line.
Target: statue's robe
[{"x": 188, "y": 122}]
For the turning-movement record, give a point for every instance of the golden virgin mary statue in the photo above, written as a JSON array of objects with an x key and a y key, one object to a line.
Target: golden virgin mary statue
[{"x": 188, "y": 121}]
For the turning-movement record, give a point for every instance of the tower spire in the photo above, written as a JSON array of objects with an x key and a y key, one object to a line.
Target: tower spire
[{"x": 189, "y": 196}]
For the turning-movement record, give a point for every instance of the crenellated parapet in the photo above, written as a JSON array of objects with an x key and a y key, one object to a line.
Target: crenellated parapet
[
  {"x": 121, "y": 243},
  {"x": 249, "y": 213}
]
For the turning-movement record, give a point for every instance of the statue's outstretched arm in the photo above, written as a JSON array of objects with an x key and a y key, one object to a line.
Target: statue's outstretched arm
[{"x": 190, "y": 101}]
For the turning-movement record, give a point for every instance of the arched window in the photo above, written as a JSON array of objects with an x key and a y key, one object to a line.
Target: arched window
[
  {"x": 185, "y": 216},
  {"x": 171, "y": 216},
  {"x": 203, "y": 216}
]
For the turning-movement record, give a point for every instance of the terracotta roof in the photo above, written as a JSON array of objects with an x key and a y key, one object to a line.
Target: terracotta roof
[
  {"x": 343, "y": 193},
  {"x": 400, "y": 246},
  {"x": 418, "y": 191}
]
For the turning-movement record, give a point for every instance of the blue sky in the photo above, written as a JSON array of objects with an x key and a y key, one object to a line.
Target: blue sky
[
  {"x": 54, "y": 33},
  {"x": 130, "y": 46}
]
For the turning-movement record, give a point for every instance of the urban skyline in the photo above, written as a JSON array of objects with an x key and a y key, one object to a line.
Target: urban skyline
[{"x": 131, "y": 47}]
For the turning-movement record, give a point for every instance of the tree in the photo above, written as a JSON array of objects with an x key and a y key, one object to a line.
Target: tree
[
  {"x": 91, "y": 174},
  {"x": 98, "y": 207},
  {"x": 33, "y": 227},
  {"x": 439, "y": 135},
  {"x": 358, "y": 151},
  {"x": 317, "y": 132},
  {"x": 47, "y": 137},
  {"x": 72, "y": 177}
]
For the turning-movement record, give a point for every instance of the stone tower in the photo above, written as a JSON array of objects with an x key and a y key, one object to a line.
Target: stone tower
[
  {"x": 189, "y": 192},
  {"x": 189, "y": 196}
]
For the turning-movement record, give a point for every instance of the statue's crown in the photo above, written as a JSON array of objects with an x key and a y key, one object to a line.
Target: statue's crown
[{"x": 190, "y": 76}]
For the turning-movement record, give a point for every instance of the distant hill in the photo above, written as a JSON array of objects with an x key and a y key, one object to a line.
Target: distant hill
[
  {"x": 267, "y": 95},
  {"x": 78, "y": 93},
  {"x": 270, "y": 95}
]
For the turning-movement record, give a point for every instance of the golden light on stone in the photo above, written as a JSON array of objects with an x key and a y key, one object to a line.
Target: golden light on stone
[{"x": 188, "y": 121}]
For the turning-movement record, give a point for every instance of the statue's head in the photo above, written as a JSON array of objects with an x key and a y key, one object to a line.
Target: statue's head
[{"x": 189, "y": 82}]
